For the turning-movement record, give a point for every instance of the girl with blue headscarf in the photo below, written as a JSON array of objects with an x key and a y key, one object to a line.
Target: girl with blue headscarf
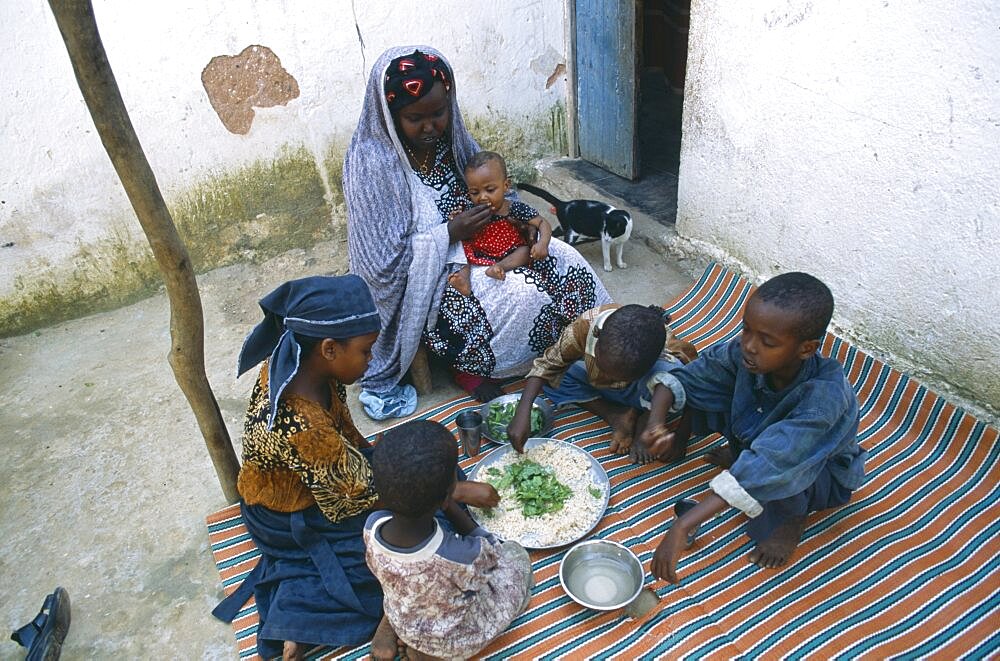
[{"x": 305, "y": 482}]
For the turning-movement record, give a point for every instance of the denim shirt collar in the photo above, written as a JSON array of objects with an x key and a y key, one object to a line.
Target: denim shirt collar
[{"x": 809, "y": 368}]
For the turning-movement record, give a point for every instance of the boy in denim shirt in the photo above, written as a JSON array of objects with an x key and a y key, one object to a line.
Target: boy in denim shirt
[{"x": 790, "y": 417}]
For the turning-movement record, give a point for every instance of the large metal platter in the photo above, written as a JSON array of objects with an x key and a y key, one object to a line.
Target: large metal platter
[{"x": 597, "y": 474}]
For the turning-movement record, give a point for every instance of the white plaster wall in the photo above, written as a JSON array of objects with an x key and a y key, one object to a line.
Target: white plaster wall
[
  {"x": 57, "y": 186},
  {"x": 858, "y": 141}
]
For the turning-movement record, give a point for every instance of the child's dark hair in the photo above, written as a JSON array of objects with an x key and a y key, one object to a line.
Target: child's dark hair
[
  {"x": 633, "y": 337},
  {"x": 803, "y": 295},
  {"x": 413, "y": 466},
  {"x": 479, "y": 159}
]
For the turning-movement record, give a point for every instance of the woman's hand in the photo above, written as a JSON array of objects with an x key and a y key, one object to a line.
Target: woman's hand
[
  {"x": 466, "y": 224},
  {"x": 476, "y": 494}
]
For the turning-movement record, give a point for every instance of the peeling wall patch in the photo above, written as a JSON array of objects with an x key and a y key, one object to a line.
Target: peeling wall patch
[
  {"x": 235, "y": 84},
  {"x": 559, "y": 71}
]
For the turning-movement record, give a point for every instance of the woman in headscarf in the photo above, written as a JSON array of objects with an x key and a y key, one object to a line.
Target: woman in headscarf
[
  {"x": 407, "y": 216},
  {"x": 305, "y": 483}
]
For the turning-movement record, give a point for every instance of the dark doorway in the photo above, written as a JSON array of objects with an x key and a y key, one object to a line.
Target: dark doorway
[
  {"x": 661, "y": 91},
  {"x": 661, "y": 37}
]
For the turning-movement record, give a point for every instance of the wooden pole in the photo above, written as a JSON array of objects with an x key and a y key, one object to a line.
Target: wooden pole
[{"x": 187, "y": 352}]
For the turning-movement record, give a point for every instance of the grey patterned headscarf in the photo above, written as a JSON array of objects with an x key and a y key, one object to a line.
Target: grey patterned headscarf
[{"x": 382, "y": 226}]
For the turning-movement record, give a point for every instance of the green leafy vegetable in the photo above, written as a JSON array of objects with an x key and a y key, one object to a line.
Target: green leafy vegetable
[
  {"x": 535, "y": 487},
  {"x": 595, "y": 492},
  {"x": 500, "y": 416}
]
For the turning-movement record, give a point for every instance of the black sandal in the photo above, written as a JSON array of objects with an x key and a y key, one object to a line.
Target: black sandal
[{"x": 44, "y": 635}]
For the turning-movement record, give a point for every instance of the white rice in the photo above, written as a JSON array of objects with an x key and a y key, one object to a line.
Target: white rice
[{"x": 580, "y": 512}]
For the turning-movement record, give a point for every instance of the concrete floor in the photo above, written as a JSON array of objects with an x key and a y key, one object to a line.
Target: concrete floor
[{"x": 105, "y": 478}]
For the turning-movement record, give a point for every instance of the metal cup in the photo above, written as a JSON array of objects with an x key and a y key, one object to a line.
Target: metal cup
[{"x": 470, "y": 431}]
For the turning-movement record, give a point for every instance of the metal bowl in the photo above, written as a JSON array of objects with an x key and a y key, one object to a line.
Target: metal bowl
[
  {"x": 597, "y": 474},
  {"x": 601, "y": 574},
  {"x": 547, "y": 417}
]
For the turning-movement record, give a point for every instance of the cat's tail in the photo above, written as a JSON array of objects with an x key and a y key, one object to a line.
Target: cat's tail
[{"x": 545, "y": 195}]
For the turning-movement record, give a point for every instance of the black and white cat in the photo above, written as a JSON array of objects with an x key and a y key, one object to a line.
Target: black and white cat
[{"x": 590, "y": 219}]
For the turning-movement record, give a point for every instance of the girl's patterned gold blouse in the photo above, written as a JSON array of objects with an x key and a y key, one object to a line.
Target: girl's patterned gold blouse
[{"x": 310, "y": 455}]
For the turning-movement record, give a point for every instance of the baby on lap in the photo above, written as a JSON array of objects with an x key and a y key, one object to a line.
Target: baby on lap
[{"x": 516, "y": 234}]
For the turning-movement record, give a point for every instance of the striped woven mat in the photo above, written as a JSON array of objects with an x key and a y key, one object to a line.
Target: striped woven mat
[{"x": 909, "y": 568}]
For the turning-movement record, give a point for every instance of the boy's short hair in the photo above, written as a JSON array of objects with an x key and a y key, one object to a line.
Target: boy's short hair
[
  {"x": 803, "y": 295},
  {"x": 633, "y": 337},
  {"x": 479, "y": 159},
  {"x": 413, "y": 467}
]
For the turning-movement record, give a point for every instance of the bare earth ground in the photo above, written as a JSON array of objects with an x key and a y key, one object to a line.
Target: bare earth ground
[{"x": 105, "y": 479}]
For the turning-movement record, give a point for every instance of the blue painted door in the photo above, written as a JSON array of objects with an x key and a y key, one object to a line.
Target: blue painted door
[{"x": 606, "y": 84}]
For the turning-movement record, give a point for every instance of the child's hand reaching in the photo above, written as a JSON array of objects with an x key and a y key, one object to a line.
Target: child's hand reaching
[
  {"x": 539, "y": 251},
  {"x": 668, "y": 552},
  {"x": 460, "y": 519},
  {"x": 518, "y": 430},
  {"x": 476, "y": 494},
  {"x": 659, "y": 441}
]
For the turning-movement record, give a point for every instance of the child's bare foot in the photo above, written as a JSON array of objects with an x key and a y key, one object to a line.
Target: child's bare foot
[
  {"x": 494, "y": 271},
  {"x": 292, "y": 651},
  {"x": 638, "y": 451},
  {"x": 622, "y": 429},
  {"x": 385, "y": 644},
  {"x": 720, "y": 456},
  {"x": 777, "y": 549},
  {"x": 413, "y": 655},
  {"x": 461, "y": 281}
]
